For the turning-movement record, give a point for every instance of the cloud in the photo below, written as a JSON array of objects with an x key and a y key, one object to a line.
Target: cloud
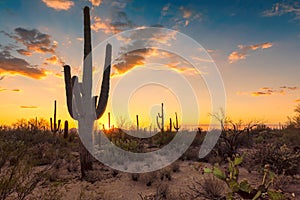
[
  {"x": 24, "y": 52},
  {"x": 261, "y": 94},
  {"x": 28, "y": 107},
  {"x": 186, "y": 13},
  {"x": 54, "y": 60},
  {"x": 117, "y": 23},
  {"x": 268, "y": 91},
  {"x": 59, "y": 4},
  {"x": 96, "y": 2},
  {"x": 13, "y": 65},
  {"x": 235, "y": 56},
  {"x": 293, "y": 88},
  {"x": 179, "y": 16},
  {"x": 297, "y": 100},
  {"x": 280, "y": 9},
  {"x": 33, "y": 40},
  {"x": 2, "y": 89},
  {"x": 103, "y": 25},
  {"x": 242, "y": 53},
  {"x": 16, "y": 90},
  {"x": 129, "y": 60}
]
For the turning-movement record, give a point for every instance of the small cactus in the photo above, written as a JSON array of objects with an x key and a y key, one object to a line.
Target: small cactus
[
  {"x": 53, "y": 125},
  {"x": 176, "y": 127},
  {"x": 243, "y": 188},
  {"x": 161, "y": 126}
]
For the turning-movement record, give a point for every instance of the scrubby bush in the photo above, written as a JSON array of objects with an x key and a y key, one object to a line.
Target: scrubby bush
[{"x": 281, "y": 158}]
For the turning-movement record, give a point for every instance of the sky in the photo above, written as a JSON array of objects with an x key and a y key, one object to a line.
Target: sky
[{"x": 254, "y": 45}]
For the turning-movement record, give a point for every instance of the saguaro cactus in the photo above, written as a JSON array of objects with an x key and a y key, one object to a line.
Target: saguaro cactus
[
  {"x": 66, "y": 129},
  {"x": 81, "y": 105},
  {"x": 137, "y": 123},
  {"x": 53, "y": 125},
  {"x": 170, "y": 129},
  {"x": 161, "y": 126},
  {"x": 108, "y": 120},
  {"x": 176, "y": 127}
]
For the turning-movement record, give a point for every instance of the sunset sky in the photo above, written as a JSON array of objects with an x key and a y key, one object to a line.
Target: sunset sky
[{"x": 254, "y": 44}]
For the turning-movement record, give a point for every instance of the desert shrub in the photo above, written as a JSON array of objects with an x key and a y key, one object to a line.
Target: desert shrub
[
  {"x": 149, "y": 178},
  {"x": 175, "y": 166},
  {"x": 191, "y": 154},
  {"x": 50, "y": 193},
  {"x": 135, "y": 176},
  {"x": 281, "y": 158},
  {"x": 17, "y": 174},
  {"x": 291, "y": 137},
  {"x": 163, "y": 138},
  {"x": 129, "y": 145},
  {"x": 165, "y": 174},
  {"x": 198, "y": 139},
  {"x": 162, "y": 192},
  {"x": 209, "y": 188}
]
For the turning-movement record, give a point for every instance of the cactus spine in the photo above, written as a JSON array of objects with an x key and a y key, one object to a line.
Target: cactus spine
[
  {"x": 176, "y": 127},
  {"x": 79, "y": 95},
  {"x": 161, "y": 126},
  {"x": 53, "y": 125},
  {"x": 137, "y": 123}
]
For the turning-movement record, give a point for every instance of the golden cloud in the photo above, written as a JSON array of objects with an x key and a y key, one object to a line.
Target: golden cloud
[
  {"x": 59, "y": 4},
  {"x": 96, "y": 2},
  {"x": 28, "y": 107},
  {"x": 12, "y": 65},
  {"x": 243, "y": 50}
]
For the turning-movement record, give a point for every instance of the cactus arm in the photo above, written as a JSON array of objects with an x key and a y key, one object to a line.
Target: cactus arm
[
  {"x": 158, "y": 122},
  {"x": 69, "y": 83},
  {"x": 102, "y": 102},
  {"x": 78, "y": 101}
]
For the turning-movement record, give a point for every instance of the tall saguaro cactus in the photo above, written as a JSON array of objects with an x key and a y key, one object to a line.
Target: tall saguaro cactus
[
  {"x": 53, "y": 125},
  {"x": 176, "y": 127},
  {"x": 161, "y": 126},
  {"x": 81, "y": 105}
]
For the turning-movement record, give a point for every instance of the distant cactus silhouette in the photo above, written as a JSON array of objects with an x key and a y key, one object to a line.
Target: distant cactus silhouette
[
  {"x": 161, "y": 126},
  {"x": 53, "y": 125},
  {"x": 137, "y": 123},
  {"x": 66, "y": 129},
  {"x": 87, "y": 109},
  {"x": 176, "y": 127},
  {"x": 108, "y": 120},
  {"x": 170, "y": 129}
]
